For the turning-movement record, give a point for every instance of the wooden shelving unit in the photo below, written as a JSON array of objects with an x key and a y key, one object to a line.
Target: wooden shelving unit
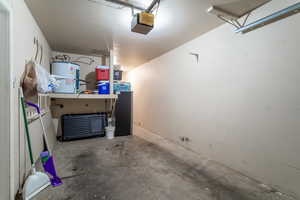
[{"x": 82, "y": 96}]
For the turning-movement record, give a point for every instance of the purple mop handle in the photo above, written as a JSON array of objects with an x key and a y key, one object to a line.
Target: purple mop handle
[{"x": 35, "y": 106}]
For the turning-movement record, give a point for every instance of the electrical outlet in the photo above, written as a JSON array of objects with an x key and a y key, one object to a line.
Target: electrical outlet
[
  {"x": 184, "y": 139},
  {"x": 137, "y": 123}
]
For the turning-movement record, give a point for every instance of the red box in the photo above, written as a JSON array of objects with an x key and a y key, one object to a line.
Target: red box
[{"x": 102, "y": 73}]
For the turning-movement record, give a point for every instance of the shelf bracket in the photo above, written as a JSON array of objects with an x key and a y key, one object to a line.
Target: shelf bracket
[
  {"x": 284, "y": 13},
  {"x": 245, "y": 28}
]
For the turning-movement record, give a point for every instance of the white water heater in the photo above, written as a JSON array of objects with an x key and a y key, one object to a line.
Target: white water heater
[{"x": 67, "y": 75}]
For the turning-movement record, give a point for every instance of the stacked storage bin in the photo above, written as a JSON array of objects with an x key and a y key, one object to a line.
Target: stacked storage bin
[
  {"x": 102, "y": 75},
  {"x": 119, "y": 85}
]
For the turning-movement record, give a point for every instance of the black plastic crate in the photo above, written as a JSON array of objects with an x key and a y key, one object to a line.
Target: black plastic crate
[
  {"x": 78, "y": 126},
  {"x": 118, "y": 75}
]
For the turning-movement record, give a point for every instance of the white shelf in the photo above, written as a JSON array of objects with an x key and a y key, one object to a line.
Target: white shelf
[
  {"x": 43, "y": 95},
  {"x": 82, "y": 96}
]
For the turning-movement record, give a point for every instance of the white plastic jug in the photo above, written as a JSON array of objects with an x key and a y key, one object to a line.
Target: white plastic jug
[{"x": 110, "y": 132}]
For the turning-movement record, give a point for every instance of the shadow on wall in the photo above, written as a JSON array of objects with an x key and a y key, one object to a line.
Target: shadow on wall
[{"x": 91, "y": 81}]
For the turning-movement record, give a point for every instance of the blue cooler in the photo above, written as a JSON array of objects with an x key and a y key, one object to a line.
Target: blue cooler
[
  {"x": 122, "y": 87},
  {"x": 103, "y": 87}
]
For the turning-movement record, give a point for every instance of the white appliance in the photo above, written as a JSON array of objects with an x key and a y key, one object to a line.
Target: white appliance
[{"x": 67, "y": 77}]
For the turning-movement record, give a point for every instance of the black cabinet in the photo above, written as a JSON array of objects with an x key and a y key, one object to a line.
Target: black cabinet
[{"x": 123, "y": 114}]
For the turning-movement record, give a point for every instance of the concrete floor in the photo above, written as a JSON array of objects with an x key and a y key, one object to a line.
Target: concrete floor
[{"x": 130, "y": 168}]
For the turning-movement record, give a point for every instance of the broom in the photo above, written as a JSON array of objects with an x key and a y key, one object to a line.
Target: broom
[
  {"x": 37, "y": 181},
  {"x": 46, "y": 156}
]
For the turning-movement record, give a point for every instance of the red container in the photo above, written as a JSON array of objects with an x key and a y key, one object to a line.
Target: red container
[{"x": 102, "y": 73}]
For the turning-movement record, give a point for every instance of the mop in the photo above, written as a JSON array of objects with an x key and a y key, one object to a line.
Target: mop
[
  {"x": 37, "y": 181},
  {"x": 46, "y": 156}
]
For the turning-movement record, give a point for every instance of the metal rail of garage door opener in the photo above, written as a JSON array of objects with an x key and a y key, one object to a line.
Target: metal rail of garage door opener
[{"x": 131, "y": 5}]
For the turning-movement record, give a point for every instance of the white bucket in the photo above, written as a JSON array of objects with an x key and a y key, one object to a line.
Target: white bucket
[{"x": 110, "y": 132}]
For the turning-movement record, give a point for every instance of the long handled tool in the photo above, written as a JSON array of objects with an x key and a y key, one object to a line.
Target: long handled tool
[
  {"x": 46, "y": 156},
  {"x": 37, "y": 181}
]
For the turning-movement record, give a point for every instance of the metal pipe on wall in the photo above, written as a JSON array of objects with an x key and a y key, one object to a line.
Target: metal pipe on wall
[{"x": 294, "y": 9}]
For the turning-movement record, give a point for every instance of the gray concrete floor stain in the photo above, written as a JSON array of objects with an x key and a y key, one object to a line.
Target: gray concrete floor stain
[{"x": 129, "y": 168}]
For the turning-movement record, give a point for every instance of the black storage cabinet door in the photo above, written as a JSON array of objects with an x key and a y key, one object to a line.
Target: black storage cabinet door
[{"x": 123, "y": 114}]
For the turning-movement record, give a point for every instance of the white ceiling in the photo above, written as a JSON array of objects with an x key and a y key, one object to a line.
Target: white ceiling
[{"x": 84, "y": 27}]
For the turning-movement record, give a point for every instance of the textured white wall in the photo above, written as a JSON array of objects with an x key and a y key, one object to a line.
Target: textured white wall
[
  {"x": 4, "y": 103},
  {"x": 24, "y": 31},
  {"x": 240, "y": 105}
]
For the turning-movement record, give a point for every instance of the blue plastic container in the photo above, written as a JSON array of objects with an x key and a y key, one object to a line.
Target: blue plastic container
[
  {"x": 103, "y": 87},
  {"x": 122, "y": 87}
]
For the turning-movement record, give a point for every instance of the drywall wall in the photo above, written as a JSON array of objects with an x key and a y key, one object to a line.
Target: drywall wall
[
  {"x": 24, "y": 31},
  {"x": 4, "y": 102},
  {"x": 240, "y": 105}
]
